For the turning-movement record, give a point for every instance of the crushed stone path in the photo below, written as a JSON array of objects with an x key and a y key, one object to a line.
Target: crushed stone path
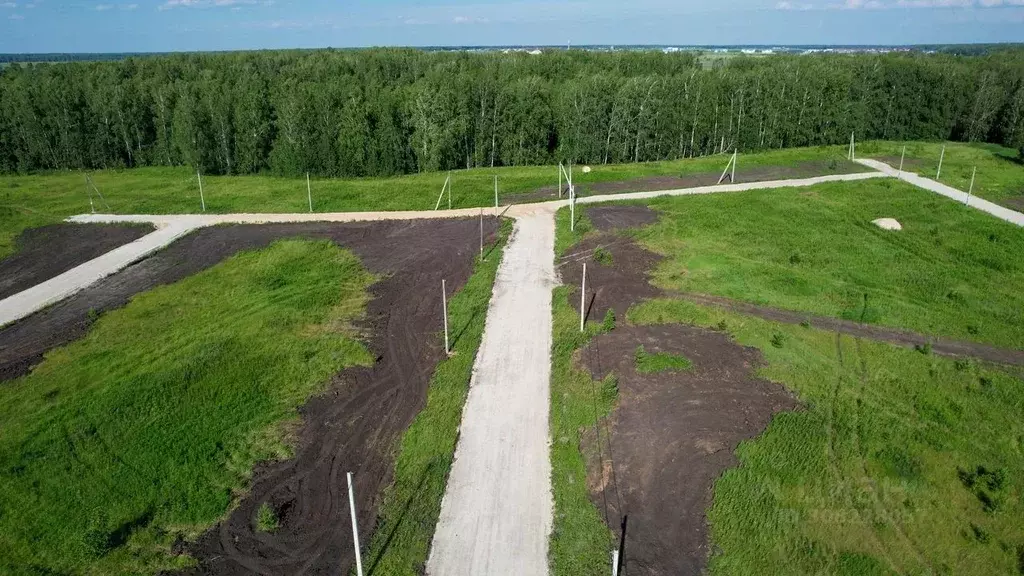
[
  {"x": 497, "y": 510},
  {"x": 996, "y": 210},
  {"x": 172, "y": 227}
]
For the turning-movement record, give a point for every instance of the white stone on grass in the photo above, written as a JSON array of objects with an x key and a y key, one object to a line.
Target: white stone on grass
[{"x": 887, "y": 224}]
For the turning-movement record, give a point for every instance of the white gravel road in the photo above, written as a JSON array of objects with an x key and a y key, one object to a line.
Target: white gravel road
[{"x": 497, "y": 511}]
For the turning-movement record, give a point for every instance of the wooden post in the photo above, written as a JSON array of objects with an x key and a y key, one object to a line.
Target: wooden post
[
  {"x": 444, "y": 308},
  {"x": 309, "y": 193},
  {"x": 583, "y": 297},
  {"x": 902, "y": 156},
  {"x": 355, "y": 526},
  {"x": 938, "y": 173},
  {"x": 971, "y": 189},
  {"x": 89, "y": 192},
  {"x": 201, "y": 198},
  {"x": 850, "y": 155},
  {"x": 735, "y": 153}
]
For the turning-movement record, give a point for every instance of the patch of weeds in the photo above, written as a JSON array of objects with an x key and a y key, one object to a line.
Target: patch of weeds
[
  {"x": 1020, "y": 558},
  {"x": 603, "y": 256},
  {"x": 973, "y": 330},
  {"x": 962, "y": 365},
  {"x": 993, "y": 237},
  {"x": 266, "y": 519},
  {"x": 925, "y": 348},
  {"x": 806, "y": 324},
  {"x": 660, "y": 362},
  {"x": 985, "y": 381},
  {"x": 794, "y": 258},
  {"x": 900, "y": 464},
  {"x": 96, "y": 537},
  {"x": 986, "y": 485},
  {"x": 833, "y": 164},
  {"x": 93, "y": 315},
  {"x": 722, "y": 325},
  {"x": 980, "y": 534},
  {"x": 778, "y": 339},
  {"x": 608, "y": 324},
  {"x": 956, "y": 296},
  {"x": 610, "y": 388}
]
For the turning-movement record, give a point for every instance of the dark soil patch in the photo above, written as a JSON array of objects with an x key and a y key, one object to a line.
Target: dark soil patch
[
  {"x": 1014, "y": 203},
  {"x": 610, "y": 287},
  {"x": 940, "y": 346},
  {"x": 353, "y": 427},
  {"x": 653, "y": 183},
  {"x": 672, "y": 434},
  {"x": 607, "y": 218},
  {"x": 49, "y": 251}
]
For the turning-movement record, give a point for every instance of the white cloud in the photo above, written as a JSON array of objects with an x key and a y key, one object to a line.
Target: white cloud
[
  {"x": 16, "y": 17},
  {"x": 8, "y": 5},
  {"x": 468, "y": 20},
  {"x": 104, "y": 7}
]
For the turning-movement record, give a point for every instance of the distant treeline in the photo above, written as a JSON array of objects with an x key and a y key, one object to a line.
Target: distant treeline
[{"x": 383, "y": 112}]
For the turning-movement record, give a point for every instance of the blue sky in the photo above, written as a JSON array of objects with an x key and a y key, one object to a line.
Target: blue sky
[{"x": 167, "y": 25}]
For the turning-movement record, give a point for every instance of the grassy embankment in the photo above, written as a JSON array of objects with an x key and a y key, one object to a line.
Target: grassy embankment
[
  {"x": 1000, "y": 170},
  {"x": 147, "y": 429},
  {"x": 901, "y": 461},
  {"x": 36, "y": 200}
]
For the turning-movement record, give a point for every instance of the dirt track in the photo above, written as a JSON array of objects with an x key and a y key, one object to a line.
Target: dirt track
[
  {"x": 751, "y": 174},
  {"x": 45, "y": 252},
  {"x": 353, "y": 427}
]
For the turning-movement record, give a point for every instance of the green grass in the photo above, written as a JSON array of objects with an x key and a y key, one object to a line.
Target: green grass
[
  {"x": 659, "y": 362},
  {"x": 36, "y": 200},
  {"x": 147, "y": 429},
  {"x": 952, "y": 271},
  {"x": 580, "y": 541},
  {"x": 266, "y": 519},
  {"x": 1000, "y": 172},
  {"x": 900, "y": 462},
  {"x": 412, "y": 504}
]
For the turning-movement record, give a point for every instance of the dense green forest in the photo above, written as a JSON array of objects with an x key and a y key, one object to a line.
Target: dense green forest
[{"x": 391, "y": 111}]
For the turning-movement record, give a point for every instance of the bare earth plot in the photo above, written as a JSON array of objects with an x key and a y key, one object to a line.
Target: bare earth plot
[
  {"x": 353, "y": 427},
  {"x": 42, "y": 253}
]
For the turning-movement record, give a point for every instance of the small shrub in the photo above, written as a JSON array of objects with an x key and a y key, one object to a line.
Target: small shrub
[
  {"x": 794, "y": 258},
  {"x": 833, "y": 164},
  {"x": 603, "y": 257},
  {"x": 608, "y": 324},
  {"x": 985, "y": 381},
  {"x": 956, "y": 296},
  {"x": 993, "y": 237},
  {"x": 722, "y": 326},
  {"x": 972, "y": 330},
  {"x": 986, "y": 485},
  {"x": 962, "y": 365},
  {"x": 93, "y": 315},
  {"x": 925, "y": 348},
  {"x": 266, "y": 519},
  {"x": 778, "y": 339},
  {"x": 980, "y": 534},
  {"x": 806, "y": 323}
]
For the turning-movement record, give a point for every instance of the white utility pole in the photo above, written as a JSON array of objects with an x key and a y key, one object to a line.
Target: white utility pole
[
  {"x": 201, "y": 198},
  {"x": 583, "y": 297},
  {"x": 971, "y": 189},
  {"x": 355, "y": 527},
  {"x": 902, "y": 156},
  {"x": 481, "y": 234},
  {"x": 444, "y": 308},
  {"x": 941, "y": 157},
  {"x": 309, "y": 193},
  {"x": 495, "y": 196},
  {"x": 449, "y": 190}
]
